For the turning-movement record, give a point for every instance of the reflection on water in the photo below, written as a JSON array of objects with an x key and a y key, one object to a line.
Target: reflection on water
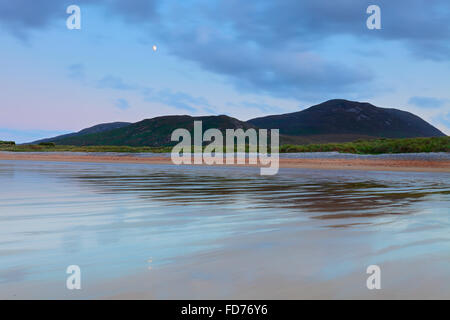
[
  {"x": 297, "y": 190},
  {"x": 112, "y": 219}
]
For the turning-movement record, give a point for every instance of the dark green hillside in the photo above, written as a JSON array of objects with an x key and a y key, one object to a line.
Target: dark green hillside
[
  {"x": 338, "y": 117},
  {"x": 152, "y": 132},
  {"x": 334, "y": 121}
]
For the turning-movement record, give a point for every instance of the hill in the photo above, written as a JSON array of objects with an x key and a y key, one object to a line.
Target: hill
[
  {"x": 334, "y": 121},
  {"x": 152, "y": 132},
  {"x": 94, "y": 129},
  {"x": 342, "y": 117}
]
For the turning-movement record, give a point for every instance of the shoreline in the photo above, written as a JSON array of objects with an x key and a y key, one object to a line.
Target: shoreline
[{"x": 318, "y": 163}]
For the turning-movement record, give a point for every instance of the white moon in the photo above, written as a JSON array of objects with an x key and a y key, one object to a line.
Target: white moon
[{"x": 154, "y": 48}]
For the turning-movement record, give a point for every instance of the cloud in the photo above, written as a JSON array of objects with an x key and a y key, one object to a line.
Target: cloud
[
  {"x": 112, "y": 82},
  {"x": 264, "y": 107},
  {"x": 22, "y": 136},
  {"x": 271, "y": 46},
  {"x": 20, "y": 17},
  {"x": 179, "y": 100},
  {"x": 76, "y": 71},
  {"x": 141, "y": 11},
  {"x": 442, "y": 121},
  {"x": 444, "y": 118},
  {"x": 122, "y": 104},
  {"x": 421, "y": 24},
  {"x": 286, "y": 73},
  {"x": 418, "y": 23},
  {"x": 427, "y": 102},
  {"x": 447, "y": 120},
  {"x": 266, "y": 46}
]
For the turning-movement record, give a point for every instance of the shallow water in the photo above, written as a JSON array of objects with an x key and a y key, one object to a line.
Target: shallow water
[{"x": 162, "y": 231}]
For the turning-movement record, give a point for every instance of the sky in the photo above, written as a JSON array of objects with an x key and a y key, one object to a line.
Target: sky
[{"x": 241, "y": 58}]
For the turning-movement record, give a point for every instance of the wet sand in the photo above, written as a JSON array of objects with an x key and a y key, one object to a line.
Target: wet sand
[
  {"x": 173, "y": 232},
  {"x": 326, "y": 164}
]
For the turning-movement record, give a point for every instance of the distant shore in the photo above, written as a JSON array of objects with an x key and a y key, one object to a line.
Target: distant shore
[
  {"x": 317, "y": 163},
  {"x": 375, "y": 146}
]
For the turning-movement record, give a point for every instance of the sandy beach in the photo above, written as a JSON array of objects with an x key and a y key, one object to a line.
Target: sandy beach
[
  {"x": 161, "y": 231},
  {"x": 326, "y": 164}
]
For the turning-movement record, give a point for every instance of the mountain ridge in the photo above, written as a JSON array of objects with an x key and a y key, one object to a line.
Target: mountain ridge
[
  {"x": 335, "y": 120},
  {"x": 339, "y": 116},
  {"x": 94, "y": 129},
  {"x": 154, "y": 132}
]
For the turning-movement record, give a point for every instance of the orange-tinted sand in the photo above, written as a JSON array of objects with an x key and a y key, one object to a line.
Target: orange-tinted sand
[{"x": 330, "y": 164}]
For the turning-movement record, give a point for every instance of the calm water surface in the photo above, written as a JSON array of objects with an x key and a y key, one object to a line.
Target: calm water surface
[{"x": 162, "y": 231}]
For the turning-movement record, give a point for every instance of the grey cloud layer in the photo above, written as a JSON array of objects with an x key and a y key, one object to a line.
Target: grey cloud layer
[
  {"x": 179, "y": 100},
  {"x": 427, "y": 102},
  {"x": 266, "y": 46},
  {"x": 113, "y": 82},
  {"x": 21, "y": 16}
]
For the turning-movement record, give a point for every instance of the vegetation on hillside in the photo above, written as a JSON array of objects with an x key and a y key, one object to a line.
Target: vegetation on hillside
[
  {"x": 155, "y": 132},
  {"x": 349, "y": 117},
  {"x": 7, "y": 143},
  {"x": 376, "y": 146},
  {"x": 47, "y": 144}
]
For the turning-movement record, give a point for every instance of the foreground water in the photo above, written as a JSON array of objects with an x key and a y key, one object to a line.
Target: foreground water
[{"x": 163, "y": 231}]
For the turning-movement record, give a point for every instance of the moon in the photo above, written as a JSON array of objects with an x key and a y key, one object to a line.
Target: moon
[{"x": 154, "y": 48}]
